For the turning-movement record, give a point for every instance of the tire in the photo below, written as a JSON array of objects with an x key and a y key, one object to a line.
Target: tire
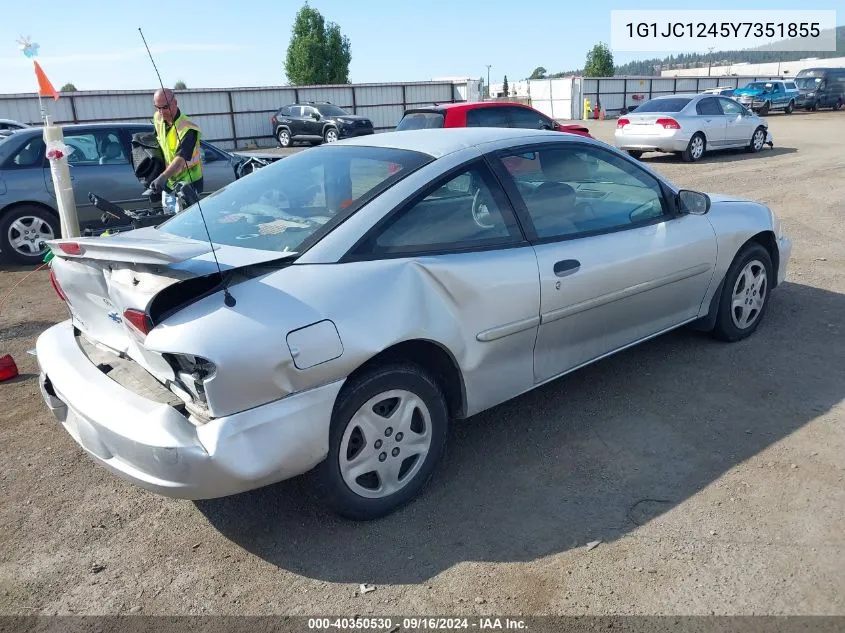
[
  {"x": 331, "y": 135},
  {"x": 28, "y": 226},
  {"x": 390, "y": 388},
  {"x": 764, "y": 110},
  {"x": 753, "y": 262},
  {"x": 635, "y": 153},
  {"x": 789, "y": 108},
  {"x": 758, "y": 140},
  {"x": 695, "y": 148},
  {"x": 837, "y": 105},
  {"x": 284, "y": 137}
]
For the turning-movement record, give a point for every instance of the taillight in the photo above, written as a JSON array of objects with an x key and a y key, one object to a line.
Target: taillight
[
  {"x": 71, "y": 248},
  {"x": 669, "y": 124},
  {"x": 138, "y": 320},
  {"x": 622, "y": 122},
  {"x": 56, "y": 286}
]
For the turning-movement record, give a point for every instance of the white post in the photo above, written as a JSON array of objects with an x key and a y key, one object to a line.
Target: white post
[{"x": 62, "y": 185}]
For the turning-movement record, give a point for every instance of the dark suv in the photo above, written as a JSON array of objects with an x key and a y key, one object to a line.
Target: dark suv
[{"x": 315, "y": 122}]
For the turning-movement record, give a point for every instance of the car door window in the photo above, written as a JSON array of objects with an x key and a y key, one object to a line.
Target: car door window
[
  {"x": 577, "y": 190},
  {"x": 95, "y": 148},
  {"x": 466, "y": 211},
  {"x": 488, "y": 117},
  {"x": 731, "y": 107},
  {"x": 529, "y": 119},
  {"x": 708, "y": 107}
]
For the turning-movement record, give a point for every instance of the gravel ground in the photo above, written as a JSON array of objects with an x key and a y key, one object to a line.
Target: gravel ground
[{"x": 711, "y": 473}]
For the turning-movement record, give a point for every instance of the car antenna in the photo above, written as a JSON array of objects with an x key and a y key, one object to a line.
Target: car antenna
[{"x": 228, "y": 299}]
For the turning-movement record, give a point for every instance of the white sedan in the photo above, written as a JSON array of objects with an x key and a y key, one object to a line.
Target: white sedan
[{"x": 375, "y": 290}]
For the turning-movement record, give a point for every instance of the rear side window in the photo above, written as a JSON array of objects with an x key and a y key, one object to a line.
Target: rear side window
[
  {"x": 790, "y": 86},
  {"x": 488, "y": 117},
  {"x": 664, "y": 105},
  {"x": 420, "y": 121},
  {"x": 708, "y": 107},
  {"x": 30, "y": 155}
]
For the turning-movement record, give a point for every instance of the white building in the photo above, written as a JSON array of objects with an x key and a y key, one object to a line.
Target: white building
[{"x": 769, "y": 68}]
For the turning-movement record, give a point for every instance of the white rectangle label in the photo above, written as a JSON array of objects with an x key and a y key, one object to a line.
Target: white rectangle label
[{"x": 722, "y": 30}]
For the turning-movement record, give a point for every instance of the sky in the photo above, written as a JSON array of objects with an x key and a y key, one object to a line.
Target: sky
[{"x": 243, "y": 43}]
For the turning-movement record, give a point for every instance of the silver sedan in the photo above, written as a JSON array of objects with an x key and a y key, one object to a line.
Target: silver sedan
[
  {"x": 373, "y": 291},
  {"x": 691, "y": 125}
]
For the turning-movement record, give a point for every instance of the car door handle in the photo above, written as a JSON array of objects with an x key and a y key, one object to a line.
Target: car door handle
[{"x": 567, "y": 267}]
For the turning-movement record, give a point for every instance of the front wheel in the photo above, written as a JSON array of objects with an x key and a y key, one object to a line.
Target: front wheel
[
  {"x": 838, "y": 104},
  {"x": 790, "y": 107},
  {"x": 331, "y": 135},
  {"x": 635, "y": 153},
  {"x": 758, "y": 139},
  {"x": 24, "y": 231},
  {"x": 695, "y": 148},
  {"x": 745, "y": 294},
  {"x": 387, "y": 434},
  {"x": 764, "y": 110}
]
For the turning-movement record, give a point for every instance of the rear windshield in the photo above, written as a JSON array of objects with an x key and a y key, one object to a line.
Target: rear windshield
[
  {"x": 664, "y": 105},
  {"x": 281, "y": 206},
  {"x": 420, "y": 121}
]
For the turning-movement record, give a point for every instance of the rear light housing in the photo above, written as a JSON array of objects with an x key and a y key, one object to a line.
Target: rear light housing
[
  {"x": 669, "y": 124},
  {"x": 56, "y": 286},
  {"x": 191, "y": 373},
  {"x": 622, "y": 122},
  {"x": 138, "y": 321},
  {"x": 71, "y": 248}
]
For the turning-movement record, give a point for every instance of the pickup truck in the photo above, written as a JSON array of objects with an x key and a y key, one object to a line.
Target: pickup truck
[{"x": 764, "y": 96}]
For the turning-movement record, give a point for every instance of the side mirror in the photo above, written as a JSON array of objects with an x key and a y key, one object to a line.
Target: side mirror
[
  {"x": 693, "y": 202},
  {"x": 315, "y": 116}
]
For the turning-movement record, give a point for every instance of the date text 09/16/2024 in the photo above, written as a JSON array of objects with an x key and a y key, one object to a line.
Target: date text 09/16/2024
[{"x": 724, "y": 29}]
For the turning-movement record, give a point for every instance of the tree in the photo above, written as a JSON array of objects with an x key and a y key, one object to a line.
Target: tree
[
  {"x": 539, "y": 73},
  {"x": 599, "y": 62},
  {"x": 180, "y": 85},
  {"x": 318, "y": 52},
  {"x": 68, "y": 87},
  {"x": 505, "y": 86}
]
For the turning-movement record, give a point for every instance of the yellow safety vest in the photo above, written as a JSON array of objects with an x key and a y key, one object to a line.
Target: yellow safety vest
[{"x": 169, "y": 141}]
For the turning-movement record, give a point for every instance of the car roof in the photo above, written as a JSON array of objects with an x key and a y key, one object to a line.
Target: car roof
[
  {"x": 438, "y": 142},
  {"x": 70, "y": 127},
  {"x": 467, "y": 105}
]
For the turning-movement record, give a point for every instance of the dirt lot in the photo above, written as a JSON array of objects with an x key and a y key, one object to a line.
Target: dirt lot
[{"x": 713, "y": 474}]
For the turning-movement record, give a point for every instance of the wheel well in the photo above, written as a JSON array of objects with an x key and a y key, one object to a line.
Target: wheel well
[
  {"x": 767, "y": 240},
  {"x": 282, "y": 127},
  {"x": 40, "y": 205},
  {"x": 432, "y": 358}
]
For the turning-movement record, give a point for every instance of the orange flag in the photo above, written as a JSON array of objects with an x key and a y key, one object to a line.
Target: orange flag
[{"x": 45, "y": 88}]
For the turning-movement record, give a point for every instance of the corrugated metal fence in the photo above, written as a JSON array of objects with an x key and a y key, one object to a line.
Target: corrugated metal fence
[{"x": 235, "y": 117}]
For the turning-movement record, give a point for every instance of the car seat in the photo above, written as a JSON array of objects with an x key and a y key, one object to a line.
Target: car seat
[{"x": 112, "y": 154}]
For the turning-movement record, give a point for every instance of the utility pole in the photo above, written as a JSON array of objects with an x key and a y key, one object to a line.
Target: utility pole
[
  {"x": 488, "y": 80},
  {"x": 709, "y": 59}
]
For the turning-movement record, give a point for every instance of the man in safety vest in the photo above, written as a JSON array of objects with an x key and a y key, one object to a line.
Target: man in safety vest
[{"x": 179, "y": 139}]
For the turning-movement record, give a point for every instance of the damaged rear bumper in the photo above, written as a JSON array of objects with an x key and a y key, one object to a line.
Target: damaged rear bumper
[{"x": 154, "y": 446}]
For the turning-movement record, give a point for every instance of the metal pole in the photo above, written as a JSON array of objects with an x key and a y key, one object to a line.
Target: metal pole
[{"x": 488, "y": 80}]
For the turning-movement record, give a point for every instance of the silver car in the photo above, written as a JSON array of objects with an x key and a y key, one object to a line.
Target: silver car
[
  {"x": 691, "y": 125},
  {"x": 373, "y": 292},
  {"x": 99, "y": 164}
]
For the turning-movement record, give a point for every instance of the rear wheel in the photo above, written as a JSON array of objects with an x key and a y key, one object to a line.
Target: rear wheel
[
  {"x": 695, "y": 148},
  {"x": 838, "y": 104},
  {"x": 790, "y": 107},
  {"x": 24, "y": 231},
  {"x": 745, "y": 294},
  {"x": 283, "y": 136},
  {"x": 387, "y": 434},
  {"x": 635, "y": 153},
  {"x": 765, "y": 109}
]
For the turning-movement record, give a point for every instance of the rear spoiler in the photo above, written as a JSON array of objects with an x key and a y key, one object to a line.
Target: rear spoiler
[{"x": 129, "y": 249}]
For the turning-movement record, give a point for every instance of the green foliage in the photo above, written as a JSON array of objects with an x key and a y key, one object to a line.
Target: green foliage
[
  {"x": 538, "y": 73},
  {"x": 68, "y": 87},
  {"x": 599, "y": 62},
  {"x": 318, "y": 53},
  {"x": 505, "y": 86},
  {"x": 180, "y": 85}
]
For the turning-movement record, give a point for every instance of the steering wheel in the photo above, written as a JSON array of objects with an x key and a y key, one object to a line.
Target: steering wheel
[{"x": 480, "y": 212}]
